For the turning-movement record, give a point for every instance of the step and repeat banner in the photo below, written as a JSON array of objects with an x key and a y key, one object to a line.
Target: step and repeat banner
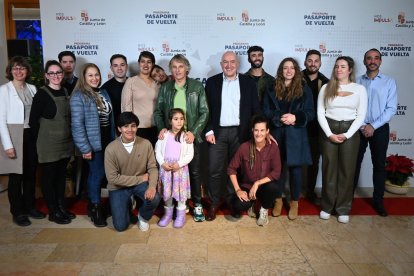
[{"x": 203, "y": 30}]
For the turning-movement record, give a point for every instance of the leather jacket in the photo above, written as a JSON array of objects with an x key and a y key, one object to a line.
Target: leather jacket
[{"x": 197, "y": 112}]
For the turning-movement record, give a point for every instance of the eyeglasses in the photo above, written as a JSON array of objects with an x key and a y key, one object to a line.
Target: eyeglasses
[
  {"x": 54, "y": 74},
  {"x": 16, "y": 69}
]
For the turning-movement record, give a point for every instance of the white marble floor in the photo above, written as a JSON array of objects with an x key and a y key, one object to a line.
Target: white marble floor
[{"x": 368, "y": 245}]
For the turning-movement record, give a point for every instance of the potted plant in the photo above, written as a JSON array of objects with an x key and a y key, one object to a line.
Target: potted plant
[{"x": 399, "y": 168}]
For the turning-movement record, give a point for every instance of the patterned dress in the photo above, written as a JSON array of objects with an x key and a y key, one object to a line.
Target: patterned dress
[{"x": 174, "y": 184}]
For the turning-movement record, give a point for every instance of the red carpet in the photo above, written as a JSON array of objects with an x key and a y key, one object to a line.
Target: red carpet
[{"x": 401, "y": 206}]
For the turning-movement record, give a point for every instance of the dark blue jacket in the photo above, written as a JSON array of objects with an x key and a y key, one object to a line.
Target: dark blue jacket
[{"x": 294, "y": 138}]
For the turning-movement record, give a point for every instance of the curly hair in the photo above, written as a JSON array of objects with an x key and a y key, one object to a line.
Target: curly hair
[
  {"x": 295, "y": 89},
  {"x": 179, "y": 58}
]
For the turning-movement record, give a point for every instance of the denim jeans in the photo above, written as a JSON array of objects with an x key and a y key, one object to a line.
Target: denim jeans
[
  {"x": 120, "y": 201},
  {"x": 295, "y": 182},
  {"x": 96, "y": 176}
]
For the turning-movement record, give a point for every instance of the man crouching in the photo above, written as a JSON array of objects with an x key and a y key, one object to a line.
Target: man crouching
[{"x": 131, "y": 170}]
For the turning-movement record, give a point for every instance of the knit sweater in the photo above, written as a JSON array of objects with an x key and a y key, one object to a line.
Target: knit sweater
[
  {"x": 140, "y": 98},
  {"x": 125, "y": 169},
  {"x": 345, "y": 108}
]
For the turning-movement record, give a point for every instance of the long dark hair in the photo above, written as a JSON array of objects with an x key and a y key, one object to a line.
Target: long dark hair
[
  {"x": 295, "y": 89},
  {"x": 171, "y": 114}
]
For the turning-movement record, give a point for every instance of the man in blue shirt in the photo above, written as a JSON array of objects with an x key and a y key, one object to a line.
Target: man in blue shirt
[
  {"x": 382, "y": 105},
  {"x": 232, "y": 99}
]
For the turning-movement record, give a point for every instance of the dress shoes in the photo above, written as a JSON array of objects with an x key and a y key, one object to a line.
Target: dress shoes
[
  {"x": 21, "y": 220},
  {"x": 235, "y": 214},
  {"x": 379, "y": 208},
  {"x": 313, "y": 197},
  {"x": 64, "y": 211},
  {"x": 211, "y": 214},
  {"x": 59, "y": 218},
  {"x": 36, "y": 214}
]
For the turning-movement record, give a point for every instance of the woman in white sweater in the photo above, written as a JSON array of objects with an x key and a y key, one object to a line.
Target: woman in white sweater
[{"x": 342, "y": 105}]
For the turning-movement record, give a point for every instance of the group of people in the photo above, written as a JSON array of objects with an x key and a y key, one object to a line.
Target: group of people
[{"x": 144, "y": 135}]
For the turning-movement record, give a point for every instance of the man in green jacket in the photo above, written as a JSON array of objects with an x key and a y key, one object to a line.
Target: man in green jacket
[{"x": 189, "y": 95}]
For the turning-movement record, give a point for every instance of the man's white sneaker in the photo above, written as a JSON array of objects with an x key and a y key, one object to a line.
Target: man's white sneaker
[
  {"x": 263, "y": 219},
  {"x": 343, "y": 219},
  {"x": 324, "y": 215},
  {"x": 143, "y": 224}
]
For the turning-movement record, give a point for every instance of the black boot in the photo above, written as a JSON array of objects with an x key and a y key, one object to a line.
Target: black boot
[
  {"x": 97, "y": 215},
  {"x": 58, "y": 217},
  {"x": 89, "y": 208},
  {"x": 64, "y": 211}
]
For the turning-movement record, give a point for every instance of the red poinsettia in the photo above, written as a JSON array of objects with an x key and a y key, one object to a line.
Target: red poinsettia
[{"x": 399, "y": 168}]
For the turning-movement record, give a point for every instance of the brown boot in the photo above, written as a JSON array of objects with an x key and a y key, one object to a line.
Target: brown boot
[
  {"x": 277, "y": 209},
  {"x": 293, "y": 210}
]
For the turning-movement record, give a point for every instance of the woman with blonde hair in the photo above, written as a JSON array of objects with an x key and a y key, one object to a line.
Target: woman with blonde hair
[
  {"x": 92, "y": 130},
  {"x": 342, "y": 105},
  {"x": 289, "y": 107}
]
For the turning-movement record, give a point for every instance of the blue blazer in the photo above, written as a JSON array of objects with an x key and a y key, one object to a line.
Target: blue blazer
[
  {"x": 297, "y": 143},
  {"x": 86, "y": 129}
]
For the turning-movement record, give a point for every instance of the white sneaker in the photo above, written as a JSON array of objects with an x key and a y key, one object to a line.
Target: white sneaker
[
  {"x": 263, "y": 219},
  {"x": 343, "y": 219},
  {"x": 143, "y": 224},
  {"x": 324, "y": 215}
]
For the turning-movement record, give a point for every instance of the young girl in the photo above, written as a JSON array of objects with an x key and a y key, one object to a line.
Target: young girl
[{"x": 173, "y": 155}]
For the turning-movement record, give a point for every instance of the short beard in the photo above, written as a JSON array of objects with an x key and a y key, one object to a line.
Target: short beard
[
  {"x": 309, "y": 72},
  {"x": 254, "y": 66}
]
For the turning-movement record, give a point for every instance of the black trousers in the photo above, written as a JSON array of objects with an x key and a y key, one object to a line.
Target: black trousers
[
  {"x": 21, "y": 191},
  {"x": 378, "y": 145},
  {"x": 195, "y": 173},
  {"x": 266, "y": 194},
  {"x": 54, "y": 182},
  {"x": 312, "y": 170},
  {"x": 150, "y": 134},
  {"x": 220, "y": 154}
]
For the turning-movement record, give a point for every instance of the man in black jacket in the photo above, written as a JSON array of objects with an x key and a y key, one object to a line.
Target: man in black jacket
[
  {"x": 233, "y": 100},
  {"x": 315, "y": 80}
]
